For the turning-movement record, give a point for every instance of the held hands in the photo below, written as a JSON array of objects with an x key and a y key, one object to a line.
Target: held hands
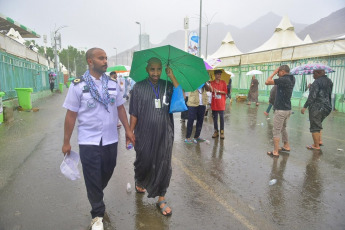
[{"x": 130, "y": 137}]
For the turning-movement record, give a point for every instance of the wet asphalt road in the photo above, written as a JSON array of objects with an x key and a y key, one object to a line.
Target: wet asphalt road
[{"x": 220, "y": 185}]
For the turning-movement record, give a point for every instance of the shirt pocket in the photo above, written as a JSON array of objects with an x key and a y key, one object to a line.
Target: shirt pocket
[{"x": 87, "y": 101}]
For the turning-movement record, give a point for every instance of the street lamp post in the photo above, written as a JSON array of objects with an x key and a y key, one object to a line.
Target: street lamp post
[
  {"x": 57, "y": 67},
  {"x": 208, "y": 22},
  {"x": 139, "y": 35},
  {"x": 200, "y": 28},
  {"x": 115, "y": 56}
]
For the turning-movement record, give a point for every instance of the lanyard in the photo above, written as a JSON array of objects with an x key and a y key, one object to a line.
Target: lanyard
[{"x": 156, "y": 92}]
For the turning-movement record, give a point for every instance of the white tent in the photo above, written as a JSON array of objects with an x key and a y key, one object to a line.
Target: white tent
[
  {"x": 283, "y": 36},
  {"x": 307, "y": 39},
  {"x": 228, "y": 48}
]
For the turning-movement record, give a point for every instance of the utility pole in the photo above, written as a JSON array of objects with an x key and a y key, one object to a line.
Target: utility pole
[
  {"x": 200, "y": 28},
  {"x": 56, "y": 62}
]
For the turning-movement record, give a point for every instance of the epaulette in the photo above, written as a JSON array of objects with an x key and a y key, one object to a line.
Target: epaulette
[{"x": 78, "y": 80}]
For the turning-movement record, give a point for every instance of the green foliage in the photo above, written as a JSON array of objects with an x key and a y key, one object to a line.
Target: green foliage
[{"x": 73, "y": 59}]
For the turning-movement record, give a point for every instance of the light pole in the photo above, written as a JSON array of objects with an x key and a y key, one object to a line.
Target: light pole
[
  {"x": 139, "y": 35},
  {"x": 200, "y": 28},
  {"x": 57, "y": 67},
  {"x": 208, "y": 22},
  {"x": 115, "y": 56}
]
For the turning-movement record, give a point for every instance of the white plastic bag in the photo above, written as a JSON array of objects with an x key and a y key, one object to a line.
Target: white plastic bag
[{"x": 69, "y": 166}]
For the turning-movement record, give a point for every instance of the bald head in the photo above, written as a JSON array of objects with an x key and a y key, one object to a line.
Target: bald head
[
  {"x": 154, "y": 60},
  {"x": 90, "y": 53}
]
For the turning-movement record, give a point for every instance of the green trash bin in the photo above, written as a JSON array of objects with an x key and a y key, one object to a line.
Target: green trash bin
[
  {"x": 1, "y": 108},
  {"x": 24, "y": 97},
  {"x": 68, "y": 84},
  {"x": 61, "y": 87}
]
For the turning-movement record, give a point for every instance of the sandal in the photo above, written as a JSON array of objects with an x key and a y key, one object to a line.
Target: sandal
[
  {"x": 284, "y": 149},
  {"x": 311, "y": 147},
  {"x": 163, "y": 208},
  {"x": 142, "y": 190},
  {"x": 270, "y": 153}
]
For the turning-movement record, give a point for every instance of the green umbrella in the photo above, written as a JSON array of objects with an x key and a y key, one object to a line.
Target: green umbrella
[
  {"x": 189, "y": 70},
  {"x": 117, "y": 68}
]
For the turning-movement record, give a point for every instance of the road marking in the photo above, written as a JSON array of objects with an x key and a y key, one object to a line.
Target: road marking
[{"x": 209, "y": 190}]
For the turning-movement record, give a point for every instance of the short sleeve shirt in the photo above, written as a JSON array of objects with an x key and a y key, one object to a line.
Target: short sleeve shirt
[
  {"x": 95, "y": 123},
  {"x": 218, "y": 100},
  {"x": 285, "y": 86}
]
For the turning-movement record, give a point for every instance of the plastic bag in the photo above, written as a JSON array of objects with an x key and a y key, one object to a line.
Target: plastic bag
[
  {"x": 177, "y": 103},
  {"x": 69, "y": 166}
]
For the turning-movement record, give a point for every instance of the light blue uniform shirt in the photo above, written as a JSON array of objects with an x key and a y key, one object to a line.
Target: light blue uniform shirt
[{"x": 94, "y": 121}]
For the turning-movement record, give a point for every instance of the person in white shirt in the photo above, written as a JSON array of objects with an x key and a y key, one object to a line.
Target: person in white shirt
[{"x": 94, "y": 100}]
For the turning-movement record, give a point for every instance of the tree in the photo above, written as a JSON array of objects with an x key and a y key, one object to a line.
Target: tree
[{"x": 73, "y": 59}]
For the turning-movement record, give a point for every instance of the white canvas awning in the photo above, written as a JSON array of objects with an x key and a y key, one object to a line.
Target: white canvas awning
[
  {"x": 228, "y": 48},
  {"x": 283, "y": 36}
]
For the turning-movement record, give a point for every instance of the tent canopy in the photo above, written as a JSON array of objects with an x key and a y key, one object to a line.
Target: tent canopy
[
  {"x": 228, "y": 48},
  {"x": 283, "y": 36}
]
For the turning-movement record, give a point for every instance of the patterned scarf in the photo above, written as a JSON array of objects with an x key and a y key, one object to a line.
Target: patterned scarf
[{"x": 105, "y": 98}]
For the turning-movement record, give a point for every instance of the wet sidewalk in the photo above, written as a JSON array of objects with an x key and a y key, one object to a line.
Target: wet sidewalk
[{"x": 220, "y": 185}]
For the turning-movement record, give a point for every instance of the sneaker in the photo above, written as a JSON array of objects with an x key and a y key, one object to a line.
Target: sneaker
[
  {"x": 196, "y": 140},
  {"x": 97, "y": 223},
  {"x": 188, "y": 141}
]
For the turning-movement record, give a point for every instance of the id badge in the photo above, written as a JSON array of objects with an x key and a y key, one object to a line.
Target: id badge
[{"x": 158, "y": 103}]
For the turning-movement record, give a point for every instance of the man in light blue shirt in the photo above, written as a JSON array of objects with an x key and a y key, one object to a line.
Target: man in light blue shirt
[{"x": 96, "y": 102}]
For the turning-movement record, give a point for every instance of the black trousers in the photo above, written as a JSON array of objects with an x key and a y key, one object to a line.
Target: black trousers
[
  {"x": 52, "y": 86},
  {"x": 197, "y": 113},
  {"x": 215, "y": 114},
  {"x": 98, "y": 166}
]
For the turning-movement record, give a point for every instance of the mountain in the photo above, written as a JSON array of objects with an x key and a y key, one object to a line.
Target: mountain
[
  {"x": 253, "y": 35},
  {"x": 329, "y": 27},
  {"x": 258, "y": 32}
]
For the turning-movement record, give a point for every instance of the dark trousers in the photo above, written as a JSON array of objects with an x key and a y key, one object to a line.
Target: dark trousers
[
  {"x": 215, "y": 119},
  {"x": 98, "y": 166},
  {"x": 52, "y": 86},
  {"x": 197, "y": 113}
]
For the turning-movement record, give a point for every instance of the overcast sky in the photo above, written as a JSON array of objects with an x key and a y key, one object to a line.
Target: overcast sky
[{"x": 111, "y": 23}]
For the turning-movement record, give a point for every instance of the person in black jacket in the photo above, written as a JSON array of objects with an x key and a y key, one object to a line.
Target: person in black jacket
[
  {"x": 319, "y": 105},
  {"x": 282, "y": 106}
]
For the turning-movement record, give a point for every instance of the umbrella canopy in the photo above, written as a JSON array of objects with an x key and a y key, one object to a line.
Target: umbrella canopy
[
  {"x": 231, "y": 73},
  {"x": 225, "y": 76},
  {"x": 189, "y": 70},
  {"x": 208, "y": 67},
  {"x": 118, "y": 69},
  {"x": 309, "y": 68},
  {"x": 253, "y": 72}
]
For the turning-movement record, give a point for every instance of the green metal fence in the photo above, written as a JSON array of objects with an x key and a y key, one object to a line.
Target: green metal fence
[
  {"x": 241, "y": 82},
  {"x": 17, "y": 72}
]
